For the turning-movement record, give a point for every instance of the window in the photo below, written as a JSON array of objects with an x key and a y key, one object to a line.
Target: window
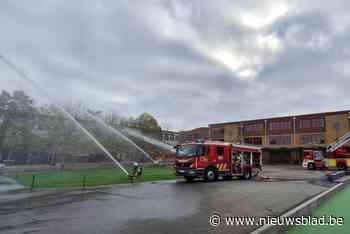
[
  {"x": 253, "y": 140},
  {"x": 318, "y": 155},
  {"x": 312, "y": 139},
  {"x": 254, "y": 127},
  {"x": 192, "y": 150},
  {"x": 337, "y": 126},
  {"x": 317, "y": 123},
  {"x": 187, "y": 151},
  {"x": 203, "y": 150},
  {"x": 218, "y": 132},
  {"x": 280, "y": 125},
  {"x": 280, "y": 140},
  {"x": 305, "y": 123},
  {"x": 220, "y": 150},
  {"x": 311, "y": 123}
]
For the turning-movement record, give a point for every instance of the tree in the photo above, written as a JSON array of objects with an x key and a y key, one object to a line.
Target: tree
[
  {"x": 64, "y": 137},
  {"x": 17, "y": 117},
  {"x": 149, "y": 125},
  {"x": 147, "y": 121}
]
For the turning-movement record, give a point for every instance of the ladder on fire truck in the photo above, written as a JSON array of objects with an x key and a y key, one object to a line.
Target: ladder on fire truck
[{"x": 339, "y": 143}]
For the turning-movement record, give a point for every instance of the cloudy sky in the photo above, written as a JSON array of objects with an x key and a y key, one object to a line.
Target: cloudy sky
[{"x": 189, "y": 63}]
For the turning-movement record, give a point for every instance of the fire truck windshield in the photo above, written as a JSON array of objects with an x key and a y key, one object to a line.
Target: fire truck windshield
[{"x": 187, "y": 150}]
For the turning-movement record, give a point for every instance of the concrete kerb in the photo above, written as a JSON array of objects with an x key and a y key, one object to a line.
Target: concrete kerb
[{"x": 303, "y": 209}]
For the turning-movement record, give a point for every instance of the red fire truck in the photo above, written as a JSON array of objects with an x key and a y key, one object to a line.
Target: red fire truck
[
  {"x": 213, "y": 160},
  {"x": 336, "y": 156}
]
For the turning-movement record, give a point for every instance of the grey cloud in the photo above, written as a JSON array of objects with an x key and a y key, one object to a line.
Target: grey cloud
[{"x": 165, "y": 57}]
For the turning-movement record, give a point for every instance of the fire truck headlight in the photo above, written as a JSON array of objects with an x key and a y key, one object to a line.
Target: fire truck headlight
[{"x": 192, "y": 165}]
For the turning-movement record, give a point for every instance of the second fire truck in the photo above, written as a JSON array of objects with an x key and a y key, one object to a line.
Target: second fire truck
[{"x": 336, "y": 156}]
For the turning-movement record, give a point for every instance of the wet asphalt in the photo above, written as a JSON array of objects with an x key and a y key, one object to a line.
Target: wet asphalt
[{"x": 158, "y": 207}]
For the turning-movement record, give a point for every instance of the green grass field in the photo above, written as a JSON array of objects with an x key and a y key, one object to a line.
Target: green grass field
[
  {"x": 94, "y": 177},
  {"x": 337, "y": 206}
]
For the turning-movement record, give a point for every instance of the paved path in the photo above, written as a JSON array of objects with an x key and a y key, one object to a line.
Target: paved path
[
  {"x": 163, "y": 207},
  {"x": 290, "y": 172},
  {"x": 158, "y": 207}
]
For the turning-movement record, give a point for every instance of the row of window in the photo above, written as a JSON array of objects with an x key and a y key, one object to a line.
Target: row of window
[
  {"x": 287, "y": 140},
  {"x": 253, "y": 140},
  {"x": 315, "y": 123},
  {"x": 311, "y": 123},
  {"x": 280, "y": 140},
  {"x": 312, "y": 139},
  {"x": 254, "y": 127},
  {"x": 287, "y": 125},
  {"x": 280, "y": 125}
]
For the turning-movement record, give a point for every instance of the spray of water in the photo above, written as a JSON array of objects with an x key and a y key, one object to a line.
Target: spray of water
[
  {"x": 116, "y": 131},
  {"x": 66, "y": 113},
  {"x": 150, "y": 140}
]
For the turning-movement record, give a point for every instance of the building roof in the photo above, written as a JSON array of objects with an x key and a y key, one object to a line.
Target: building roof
[
  {"x": 221, "y": 143},
  {"x": 282, "y": 117}
]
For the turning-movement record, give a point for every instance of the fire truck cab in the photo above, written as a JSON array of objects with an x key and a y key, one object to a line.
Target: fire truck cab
[
  {"x": 313, "y": 159},
  {"x": 213, "y": 160},
  {"x": 335, "y": 157}
]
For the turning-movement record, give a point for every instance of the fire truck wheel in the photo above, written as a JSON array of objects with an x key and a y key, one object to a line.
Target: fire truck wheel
[
  {"x": 342, "y": 166},
  {"x": 311, "y": 166},
  {"x": 210, "y": 174},
  {"x": 247, "y": 175}
]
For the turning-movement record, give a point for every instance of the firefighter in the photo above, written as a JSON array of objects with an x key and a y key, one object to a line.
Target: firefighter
[
  {"x": 238, "y": 163},
  {"x": 137, "y": 170}
]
